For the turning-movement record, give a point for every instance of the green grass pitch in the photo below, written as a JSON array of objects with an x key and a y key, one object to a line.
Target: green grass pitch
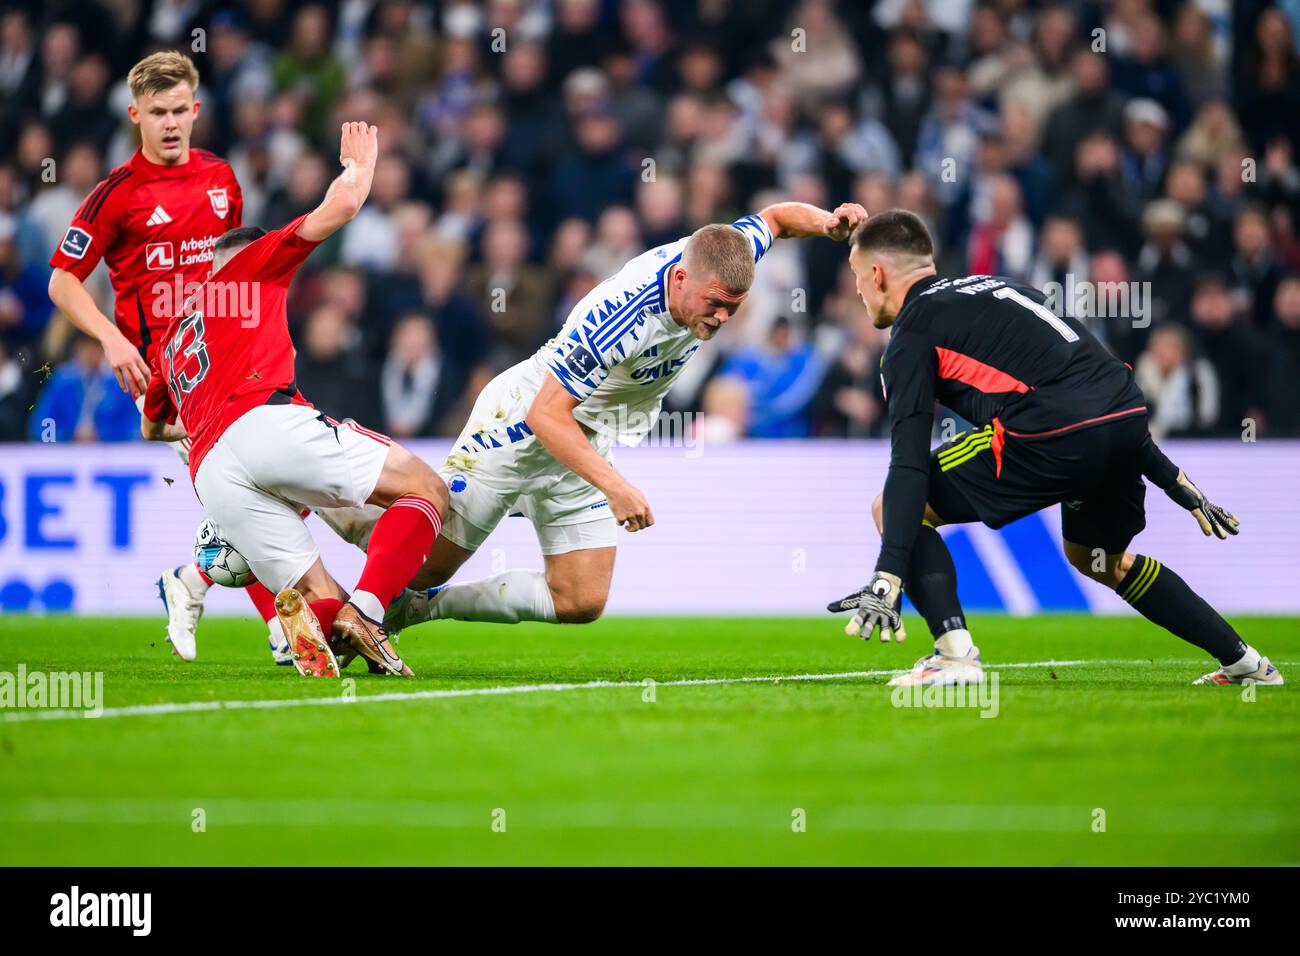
[{"x": 1116, "y": 761}]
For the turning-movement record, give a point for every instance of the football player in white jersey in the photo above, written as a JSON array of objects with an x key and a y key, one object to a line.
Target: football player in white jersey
[{"x": 539, "y": 438}]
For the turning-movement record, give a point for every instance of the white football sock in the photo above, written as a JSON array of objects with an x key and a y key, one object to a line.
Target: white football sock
[
  {"x": 368, "y": 604},
  {"x": 1249, "y": 662},
  {"x": 505, "y": 598},
  {"x": 191, "y": 578},
  {"x": 954, "y": 643}
]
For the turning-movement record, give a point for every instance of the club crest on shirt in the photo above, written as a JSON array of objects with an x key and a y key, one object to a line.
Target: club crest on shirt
[
  {"x": 220, "y": 202},
  {"x": 75, "y": 242}
]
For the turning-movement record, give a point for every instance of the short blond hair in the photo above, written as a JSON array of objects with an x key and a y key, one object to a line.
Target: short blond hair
[
  {"x": 159, "y": 72},
  {"x": 722, "y": 252}
]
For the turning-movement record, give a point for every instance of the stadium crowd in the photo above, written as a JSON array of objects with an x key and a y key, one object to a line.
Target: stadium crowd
[{"x": 530, "y": 147}]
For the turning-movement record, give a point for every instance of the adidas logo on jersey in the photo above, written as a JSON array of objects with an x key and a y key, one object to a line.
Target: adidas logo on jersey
[{"x": 159, "y": 216}]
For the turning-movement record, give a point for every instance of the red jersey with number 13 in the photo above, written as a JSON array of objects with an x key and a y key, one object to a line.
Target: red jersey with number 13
[{"x": 230, "y": 350}]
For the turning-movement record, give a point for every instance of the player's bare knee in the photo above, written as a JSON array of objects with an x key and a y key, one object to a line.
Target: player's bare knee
[
  {"x": 1097, "y": 564},
  {"x": 578, "y": 606},
  {"x": 583, "y": 610},
  {"x": 405, "y": 474}
]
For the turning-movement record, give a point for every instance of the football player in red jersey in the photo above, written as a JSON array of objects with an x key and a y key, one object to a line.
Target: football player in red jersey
[
  {"x": 260, "y": 454},
  {"x": 154, "y": 220}
]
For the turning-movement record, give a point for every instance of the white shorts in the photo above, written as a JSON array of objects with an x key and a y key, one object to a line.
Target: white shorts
[
  {"x": 498, "y": 468},
  {"x": 272, "y": 464}
]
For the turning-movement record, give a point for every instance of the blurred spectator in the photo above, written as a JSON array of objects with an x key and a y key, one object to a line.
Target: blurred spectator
[
  {"x": 1181, "y": 389},
  {"x": 1193, "y": 55},
  {"x": 849, "y": 402},
  {"x": 1268, "y": 84},
  {"x": 24, "y": 304},
  {"x": 514, "y": 296},
  {"x": 1001, "y": 239},
  {"x": 596, "y": 173},
  {"x": 1094, "y": 107},
  {"x": 414, "y": 402},
  {"x": 331, "y": 367},
  {"x": 1145, "y": 126},
  {"x": 782, "y": 379},
  {"x": 14, "y": 397},
  {"x": 724, "y": 411},
  {"x": 83, "y": 402},
  {"x": 1254, "y": 268},
  {"x": 1144, "y": 70},
  {"x": 53, "y": 208},
  {"x": 1282, "y": 402},
  {"x": 371, "y": 238},
  {"x": 1233, "y": 347},
  {"x": 1166, "y": 262},
  {"x": 308, "y": 70}
]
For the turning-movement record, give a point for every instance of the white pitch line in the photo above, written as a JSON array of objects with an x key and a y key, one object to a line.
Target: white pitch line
[{"x": 201, "y": 706}]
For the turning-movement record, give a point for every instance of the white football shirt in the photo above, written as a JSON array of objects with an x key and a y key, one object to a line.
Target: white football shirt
[{"x": 620, "y": 348}]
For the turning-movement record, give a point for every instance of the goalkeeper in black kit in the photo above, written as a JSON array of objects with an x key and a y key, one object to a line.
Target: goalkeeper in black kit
[{"x": 1060, "y": 421}]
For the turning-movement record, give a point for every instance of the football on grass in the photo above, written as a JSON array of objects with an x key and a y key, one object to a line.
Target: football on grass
[{"x": 218, "y": 560}]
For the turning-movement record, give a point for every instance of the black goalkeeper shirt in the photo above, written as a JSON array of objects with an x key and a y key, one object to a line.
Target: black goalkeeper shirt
[{"x": 989, "y": 349}]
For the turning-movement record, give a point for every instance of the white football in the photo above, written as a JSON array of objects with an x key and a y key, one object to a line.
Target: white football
[{"x": 218, "y": 560}]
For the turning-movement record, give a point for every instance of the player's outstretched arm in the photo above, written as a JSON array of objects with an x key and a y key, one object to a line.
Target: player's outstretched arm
[
  {"x": 1165, "y": 475},
  {"x": 799, "y": 220},
  {"x": 69, "y": 295},
  {"x": 551, "y": 420},
  {"x": 358, "y": 152}
]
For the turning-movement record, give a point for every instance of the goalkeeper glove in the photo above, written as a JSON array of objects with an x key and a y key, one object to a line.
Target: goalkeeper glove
[
  {"x": 1212, "y": 519},
  {"x": 877, "y": 605}
]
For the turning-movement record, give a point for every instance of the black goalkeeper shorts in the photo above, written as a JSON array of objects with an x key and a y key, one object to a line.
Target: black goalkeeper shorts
[{"x": 1093, "y": 473}]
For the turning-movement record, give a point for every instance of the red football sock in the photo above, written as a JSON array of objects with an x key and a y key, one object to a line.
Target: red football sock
[
  {"x": 263, "y": 600},
  {"x": 398, "y": 547},
  {"x": 325, "y": 609}
]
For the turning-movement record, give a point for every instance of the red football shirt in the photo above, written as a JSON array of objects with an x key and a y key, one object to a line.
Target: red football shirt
[
  {"x": 154, "y": 226},
  {"x": 229, "y": 350}
]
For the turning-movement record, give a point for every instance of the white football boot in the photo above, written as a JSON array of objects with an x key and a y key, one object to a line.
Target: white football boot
[
  {"x": 1265, "y": 673},
  {"x": 938, "y": 671},
  {"x": 184, "y": 608},
  {"x": 280, "y": 652},
  {"x": 410, "y": 608}
]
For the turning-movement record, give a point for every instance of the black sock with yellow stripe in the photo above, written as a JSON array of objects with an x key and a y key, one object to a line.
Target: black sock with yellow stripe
[
  {"x": 1164, "y": 598},
  {"x": 932, "y": 583}
]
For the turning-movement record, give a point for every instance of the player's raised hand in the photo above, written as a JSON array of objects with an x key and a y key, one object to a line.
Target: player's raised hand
[
  {"x": 876, "y": 605},
  {"x": 130, "y": 368},
  {"x": 1213, "y": 519},
  {"x": 844, "y": 219},
  {"x": 631, "y": 508},
  {"x": 359, "y": 144}
]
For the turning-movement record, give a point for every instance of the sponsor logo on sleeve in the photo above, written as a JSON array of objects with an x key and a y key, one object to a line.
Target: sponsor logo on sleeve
[
  {"x": 580, "y": 361},
  {"x": 75, "y": 242},
  {"x": 220, "y": 202}
]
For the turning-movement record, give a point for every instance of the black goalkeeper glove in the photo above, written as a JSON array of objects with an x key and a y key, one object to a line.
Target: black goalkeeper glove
[
  {"x": 877, "y": 605},
  {"x": 1212, "y": 519}
]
